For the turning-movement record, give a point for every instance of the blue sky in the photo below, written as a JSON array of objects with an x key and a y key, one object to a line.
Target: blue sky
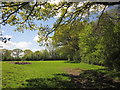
[{"x": 26, "y": 40}]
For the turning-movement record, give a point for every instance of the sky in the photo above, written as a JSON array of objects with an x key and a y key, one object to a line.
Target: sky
[{"x": 26, "y": 40}]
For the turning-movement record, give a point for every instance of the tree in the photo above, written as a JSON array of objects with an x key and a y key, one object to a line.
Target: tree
[
  {"x": 51, "y": 47},
  {"x": 6, "y": 55},
  {"x": 17, "y": 53},
  {"x": 24, "y": 14},
  {"x": 67, "y": 38},
  {"x": 27, "y": 55},
  {"x": 87, "y": 44},
  {"x": 37, "y": 55},
  {"x": 66, "y": 52},
  {"x": 45, "y": 55},
  {"x": 110, "y": 41},
  {"x": 101, "y": 45}
]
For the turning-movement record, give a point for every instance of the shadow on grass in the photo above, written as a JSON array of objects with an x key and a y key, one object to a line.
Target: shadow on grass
[{"x": 88, "y": 79}]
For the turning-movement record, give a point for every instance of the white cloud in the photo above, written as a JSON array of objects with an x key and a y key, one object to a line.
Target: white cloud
[
  {"x": 36, "y": 38},
  {"x": 40, "y": 49},
  {"x": 13, "y": 45},
  {"x": 55, "y": 1},
  {"x": 6, "y": 45},
  {"x": 8, "y": 36},
  {"x": 22, "y": 45}
]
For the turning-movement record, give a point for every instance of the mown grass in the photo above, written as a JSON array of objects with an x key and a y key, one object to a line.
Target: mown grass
[{"x": 15, "y": 76}]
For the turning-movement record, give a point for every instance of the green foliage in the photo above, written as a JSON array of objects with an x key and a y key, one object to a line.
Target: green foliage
[
  {"x": 27, "y": 55},
  {"x": 66, "y": 37},
  {"x": 101, "y": 46},
  {"x": 87, "y": 43},
  {"x": 6, "y": 55},
  {"x": 24, "y": 15},
  {"x": 109, "y": 40},
  {"x": 37, "y": 55}
]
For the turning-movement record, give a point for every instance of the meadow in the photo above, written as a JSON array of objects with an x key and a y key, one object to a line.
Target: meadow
[{"x": 50, "y": 74}]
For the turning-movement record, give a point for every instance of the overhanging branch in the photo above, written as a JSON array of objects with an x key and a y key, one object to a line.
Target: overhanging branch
[
  {"x": 108, "y": 3},
  {"x": 100, "y": 16},
  {"x": 7, "y": 17}
]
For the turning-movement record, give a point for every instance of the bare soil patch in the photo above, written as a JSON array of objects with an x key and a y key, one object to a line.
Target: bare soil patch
[
  {"x": 74, "y": 71},
  {"x": 90, "y": 79}
]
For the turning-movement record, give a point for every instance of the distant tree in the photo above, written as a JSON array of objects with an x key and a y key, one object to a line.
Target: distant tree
[
  {"x": 17, "y": 53},
  {"x": 45, "y": 55},
  {"x": 37, "y": 55},
  {"x": 51, "y": 47},
  {"x": 27, "y": 54},
  {"x": 6, "y": 55}
]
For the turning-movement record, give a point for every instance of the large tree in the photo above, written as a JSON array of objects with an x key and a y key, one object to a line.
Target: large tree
[{"x": 67, "y": 38}]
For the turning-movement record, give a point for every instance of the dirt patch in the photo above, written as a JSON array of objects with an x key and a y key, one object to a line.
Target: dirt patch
[
  {"x": 90, "y": 79},
  {"x": 74, "y": 71}
]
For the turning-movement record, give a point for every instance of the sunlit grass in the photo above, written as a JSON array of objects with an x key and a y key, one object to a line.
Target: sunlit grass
[{"x": 14, "y": 75}]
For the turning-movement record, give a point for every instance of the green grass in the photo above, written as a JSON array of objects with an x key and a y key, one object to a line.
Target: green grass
[{"x": 15, "y": 76}]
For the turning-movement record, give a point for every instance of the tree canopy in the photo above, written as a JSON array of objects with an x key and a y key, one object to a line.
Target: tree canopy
[{"x": 24, "y": 14}]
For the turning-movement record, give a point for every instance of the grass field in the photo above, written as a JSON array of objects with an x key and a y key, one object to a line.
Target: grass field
[{"x": 47, "y": 72}]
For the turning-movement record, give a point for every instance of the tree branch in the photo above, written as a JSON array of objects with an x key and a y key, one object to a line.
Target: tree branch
[
  {"x": 100, "y": 17},
  {"x": 29, "y": 14},
  {"x": 11, "y": 5},
  {"x": 108, "y": 3},
  {"x": 7, "y": 17},
  {"x": 61, "y": 18}
]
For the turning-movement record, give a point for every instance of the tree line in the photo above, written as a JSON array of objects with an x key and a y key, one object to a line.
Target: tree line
[{"x": 28, "y": 55}]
